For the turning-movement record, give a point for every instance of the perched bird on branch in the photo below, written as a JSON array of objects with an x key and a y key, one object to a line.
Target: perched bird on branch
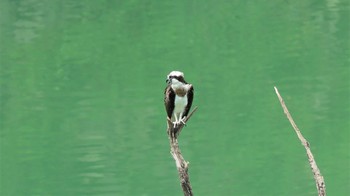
[{"x": 178, "y": 97}]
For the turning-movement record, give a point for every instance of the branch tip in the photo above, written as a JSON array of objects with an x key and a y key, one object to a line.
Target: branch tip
[{"x": 319, "y": 180}]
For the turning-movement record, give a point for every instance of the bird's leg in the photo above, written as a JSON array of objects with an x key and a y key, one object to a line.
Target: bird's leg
[
  {"x": 182, "y": 119},
  {"x": 176, "y": 122}
]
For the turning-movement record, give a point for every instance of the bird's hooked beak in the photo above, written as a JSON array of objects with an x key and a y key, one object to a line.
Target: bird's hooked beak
[{"x": 168, "y": 80}]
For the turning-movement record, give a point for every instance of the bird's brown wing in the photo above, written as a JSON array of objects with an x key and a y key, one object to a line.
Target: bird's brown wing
[
  {"x": 190, "y": 95},
  {"x": 169, "y": 100}
]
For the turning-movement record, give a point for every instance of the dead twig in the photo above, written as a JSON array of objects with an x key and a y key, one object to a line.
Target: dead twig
[
  {"x": 320, "y": 184},
  {"x": 181, "y": 164}
]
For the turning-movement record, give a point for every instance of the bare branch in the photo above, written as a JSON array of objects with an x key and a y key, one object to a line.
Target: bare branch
[
  {"x": 320, "y": 184},
  {"x": 181, "y": 164}
]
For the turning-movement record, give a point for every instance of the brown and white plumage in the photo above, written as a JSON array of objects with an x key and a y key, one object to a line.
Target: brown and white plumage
[{"x": 178, "y": 97}]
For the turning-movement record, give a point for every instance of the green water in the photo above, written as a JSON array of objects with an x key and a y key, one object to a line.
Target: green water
[{"x": 81, "y": 97}]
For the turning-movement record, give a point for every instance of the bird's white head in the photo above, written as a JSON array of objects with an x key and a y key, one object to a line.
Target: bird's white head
[
  {"x": 176, "y": 73},
  {"x": 176, "y": 79}
]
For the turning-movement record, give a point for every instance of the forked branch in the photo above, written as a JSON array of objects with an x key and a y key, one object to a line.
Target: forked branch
[
  {"x": 181, "y": 164},
  {"x": 320, "y": 184}
]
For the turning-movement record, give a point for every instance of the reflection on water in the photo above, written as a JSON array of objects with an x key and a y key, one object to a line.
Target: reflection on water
[
  {"x": 333, "y": 10},
  {"x": 29, "y": 21},
  {"x": 82, "y": 108}
]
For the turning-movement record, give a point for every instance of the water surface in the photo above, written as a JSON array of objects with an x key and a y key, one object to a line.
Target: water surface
[{"x": 82, "y": 83}]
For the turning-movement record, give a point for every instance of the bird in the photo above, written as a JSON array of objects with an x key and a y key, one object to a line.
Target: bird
[{"x": 178, "y": 97}]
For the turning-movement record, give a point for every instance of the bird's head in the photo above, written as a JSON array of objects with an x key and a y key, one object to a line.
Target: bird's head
[{"x": 175, "y": 78}]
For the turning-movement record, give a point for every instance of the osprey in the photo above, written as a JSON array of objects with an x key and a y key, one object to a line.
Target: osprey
[{"x": 178, "y": 97}]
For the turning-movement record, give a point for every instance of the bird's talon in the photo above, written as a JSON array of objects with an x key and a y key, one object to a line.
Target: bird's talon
[{"x": 176, "y": 124}]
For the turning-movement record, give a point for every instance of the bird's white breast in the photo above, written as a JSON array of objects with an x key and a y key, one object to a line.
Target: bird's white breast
[{"x": 180, "y": 104}]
